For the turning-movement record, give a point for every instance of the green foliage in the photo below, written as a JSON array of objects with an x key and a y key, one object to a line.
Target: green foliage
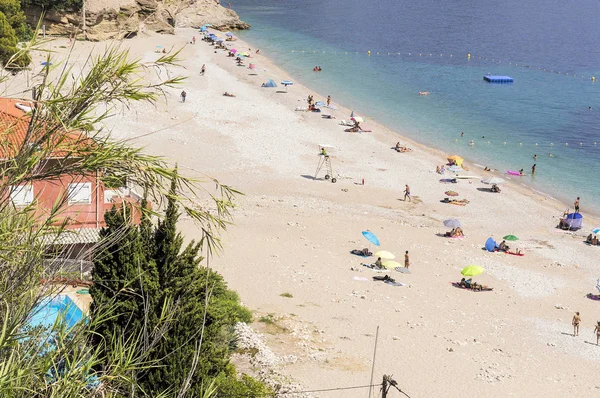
[
  {"x": 10, "y": 56},
  {"x": 148, "y": 270},
  {"x": 230, "y": 386},
  {"x": 124, "y": 279},
  {"x": 16, "y": 18},
  {"x": 55, "y": 5}
]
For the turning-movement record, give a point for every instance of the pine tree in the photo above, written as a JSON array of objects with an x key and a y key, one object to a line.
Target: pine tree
[
  {"x": 124, "y": 280},
  {"x": 184, "y": 281}
]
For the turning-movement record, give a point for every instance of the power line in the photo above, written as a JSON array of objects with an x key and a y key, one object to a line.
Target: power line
[{"x": 331, "y": 389}]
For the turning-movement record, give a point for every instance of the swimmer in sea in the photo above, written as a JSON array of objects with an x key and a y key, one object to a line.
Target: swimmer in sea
[
  {"x": 535, "y": 157},
  {"x": 550, "y": 154},
  {"x": 521, "y": 172},
  {"x": 462, "y": 134},
  {"x": 472, "y": 143}
]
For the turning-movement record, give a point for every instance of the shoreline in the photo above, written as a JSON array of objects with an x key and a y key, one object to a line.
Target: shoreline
[
  {"x": 524, "y": 188},
  {"x": 544, "y": 192}
]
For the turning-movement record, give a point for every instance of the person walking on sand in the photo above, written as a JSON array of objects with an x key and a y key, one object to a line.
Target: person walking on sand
[
  {"x": 407, "y": 193},
  {"x": 203, "y": 70},
  {"x": 406, "y": 260},
  {"x": 576, "y": 205},
  {"x": 328, "y": 100},
  {"x": 193, "y": 39},
  {"x": 183, "y": 95},
  {"x": 597, "y": 331},
  {"x": 575, "y": 322}
]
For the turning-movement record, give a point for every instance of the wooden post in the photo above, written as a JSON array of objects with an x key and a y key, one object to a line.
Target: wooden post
[
  {"x": 384, "y": 387},
  {"x": 373, "y": 367}
]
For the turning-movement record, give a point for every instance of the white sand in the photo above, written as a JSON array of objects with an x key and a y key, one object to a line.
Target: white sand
[{"x": 293, "y": 234}]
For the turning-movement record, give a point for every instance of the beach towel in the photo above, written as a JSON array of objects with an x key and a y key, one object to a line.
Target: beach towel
[
  {"x": 458, "y": 203},
  {"x": 394, "y": 283},
  {"x": 402, "y": 270},
  {"x": 457, "y": 237},
  {"x": 360, "y": 278},
  {"x": 515, "y": 254}
]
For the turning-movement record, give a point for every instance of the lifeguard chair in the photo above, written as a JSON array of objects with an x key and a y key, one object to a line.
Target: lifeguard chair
[{"x": 325, "y": 162}]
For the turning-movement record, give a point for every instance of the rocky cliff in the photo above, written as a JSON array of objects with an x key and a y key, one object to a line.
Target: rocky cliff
[{"x": 116, "y": 19}]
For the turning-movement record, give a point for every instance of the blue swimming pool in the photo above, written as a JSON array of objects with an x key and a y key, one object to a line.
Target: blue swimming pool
[{"x": 52, "y": 308}]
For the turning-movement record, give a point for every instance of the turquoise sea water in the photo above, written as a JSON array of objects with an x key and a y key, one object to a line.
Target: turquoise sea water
[{"x": 537, "y": 114}]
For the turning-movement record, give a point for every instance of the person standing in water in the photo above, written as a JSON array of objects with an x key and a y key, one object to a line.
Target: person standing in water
[
  {"x": 533, "y": 169},
  {"x": 328, "y": 100},
  {"x": 462, "y": 134},
  {"x": 575, "y": 322},
  {"x": 407, "y": 193},
  {"x": 576, "y": 205},
  {"x": 535, "y": 157}
]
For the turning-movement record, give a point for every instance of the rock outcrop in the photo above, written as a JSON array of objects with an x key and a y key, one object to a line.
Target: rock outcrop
[{"x": 117, "y": 19}]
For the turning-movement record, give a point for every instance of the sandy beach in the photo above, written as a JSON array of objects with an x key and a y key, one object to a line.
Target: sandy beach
[{"x": 288, "y": 251}]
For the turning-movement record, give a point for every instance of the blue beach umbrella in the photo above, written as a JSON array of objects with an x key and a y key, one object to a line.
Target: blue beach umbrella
[
  {"x": 203, "y": 29},
  {"x": 207, "y": 24},
  {"x": 490, "y": 245},
  {"x": 370, "y": 236},
  {"x": 229, "y": 34}
]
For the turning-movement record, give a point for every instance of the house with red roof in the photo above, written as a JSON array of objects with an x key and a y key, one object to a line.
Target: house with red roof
[{"x": 83, "y": 198}]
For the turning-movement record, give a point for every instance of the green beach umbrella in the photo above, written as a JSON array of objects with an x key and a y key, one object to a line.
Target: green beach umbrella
[
  {"x": 510, "y": 237},
  {"x": 472, "y": 270}
]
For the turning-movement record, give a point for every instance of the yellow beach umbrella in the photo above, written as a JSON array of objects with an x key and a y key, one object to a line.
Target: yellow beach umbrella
[
  {"x": 472, "y": 270},
  {"x": 391, "y": 264},
  {"x": 457, "y": 160},
  {"x": 385, "y": 255}
]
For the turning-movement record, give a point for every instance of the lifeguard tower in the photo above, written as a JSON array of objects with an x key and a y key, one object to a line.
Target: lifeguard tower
[{"x": 325, "y": 162}]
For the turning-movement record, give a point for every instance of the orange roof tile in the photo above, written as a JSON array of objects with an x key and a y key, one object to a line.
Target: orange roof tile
[{"x": 14, "y": 122}]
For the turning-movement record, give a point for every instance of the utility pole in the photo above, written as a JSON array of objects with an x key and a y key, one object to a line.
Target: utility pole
[
  {"x": 384, "y": 387},
  {"x": 388, "y": 383}
]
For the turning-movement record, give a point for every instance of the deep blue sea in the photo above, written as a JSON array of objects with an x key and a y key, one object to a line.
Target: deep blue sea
[{"x": 551, "y": 48}]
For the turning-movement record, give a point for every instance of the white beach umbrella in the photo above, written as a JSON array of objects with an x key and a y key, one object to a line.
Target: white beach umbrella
[{"x": 492, "y": 180}]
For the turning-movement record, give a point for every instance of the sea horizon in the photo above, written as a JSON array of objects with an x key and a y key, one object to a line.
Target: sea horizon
[{"x": 507, "y": 123}]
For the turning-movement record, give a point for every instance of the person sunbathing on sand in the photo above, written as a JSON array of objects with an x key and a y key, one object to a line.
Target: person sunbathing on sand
[
  {"x": 458, "y": 232},
  {"x": 226, "y": 94},
  {"x": 503, "y": 247},
  {"x": 495, "y": 188}
]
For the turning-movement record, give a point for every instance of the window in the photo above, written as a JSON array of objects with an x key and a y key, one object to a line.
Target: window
[
  {"x": 21, "y": 195},
  {"x": 80, "y": 193}
]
